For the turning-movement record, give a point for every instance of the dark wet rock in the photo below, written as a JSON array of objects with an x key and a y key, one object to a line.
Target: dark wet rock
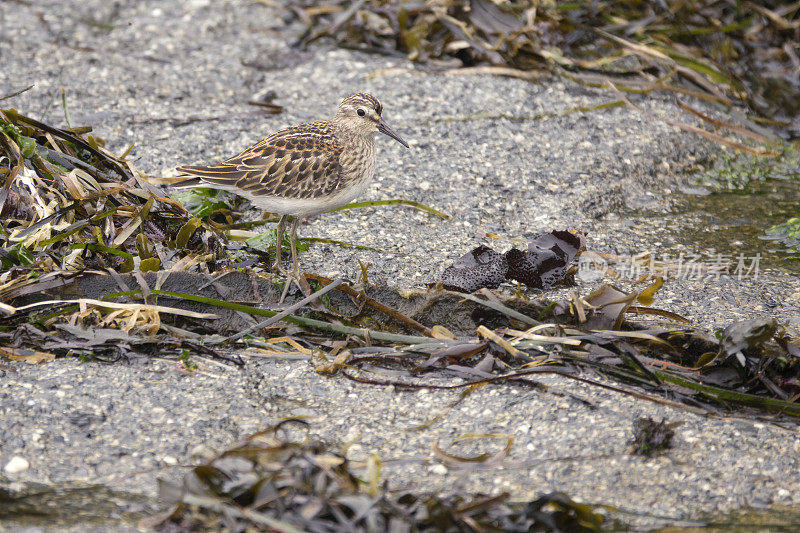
[
  {"x": 547, "y": 259},
  {"x": 542, "y": 266},
  {"x": 482, "y": 267},
  {"x": 537, "y": 268}
]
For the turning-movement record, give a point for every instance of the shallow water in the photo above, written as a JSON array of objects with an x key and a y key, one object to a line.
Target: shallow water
[
  {"x": 71, "y": 506},
  {"x": 774, "y": 519},
  {"x": 735, "y": 222}
]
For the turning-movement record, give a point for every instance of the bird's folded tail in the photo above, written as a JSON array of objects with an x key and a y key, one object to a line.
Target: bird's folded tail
[
  {"x": 221, "y": 175},
  {"x": 189, "y": 182}
]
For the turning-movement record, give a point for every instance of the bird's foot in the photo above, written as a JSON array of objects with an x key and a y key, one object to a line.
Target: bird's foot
[
  {"x": 298, "y": 279},
  {"x": 278, "y": 269}
]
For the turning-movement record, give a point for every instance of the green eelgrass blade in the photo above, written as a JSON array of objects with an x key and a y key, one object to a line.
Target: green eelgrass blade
[
  {"x": 410, "y": 203},
  {"x": 322, "y": 240},
  {"x": 724, "y": 395},
  {"x": 100, "y": 248}
]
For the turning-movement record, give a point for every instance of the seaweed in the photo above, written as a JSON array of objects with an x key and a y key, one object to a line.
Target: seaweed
[
  {"x": 274, "y": 481},
  {"x": 650, "y": 436},
  {"x": 719, "y": 52}
]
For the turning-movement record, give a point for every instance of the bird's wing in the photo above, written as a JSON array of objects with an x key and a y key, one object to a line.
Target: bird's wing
[{"x": 298, "y": 162}]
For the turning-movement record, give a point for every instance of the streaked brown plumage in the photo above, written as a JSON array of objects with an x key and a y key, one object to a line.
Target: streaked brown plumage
[{"x": 303, "y": 170}]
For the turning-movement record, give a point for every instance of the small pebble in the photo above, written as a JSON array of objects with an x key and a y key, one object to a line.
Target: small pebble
[
  {"x": 438, "y": 469},
  {"x": 16, "y": 465}
]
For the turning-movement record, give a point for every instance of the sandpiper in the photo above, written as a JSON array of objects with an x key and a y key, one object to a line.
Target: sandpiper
[{"x": 303, "y": 170}]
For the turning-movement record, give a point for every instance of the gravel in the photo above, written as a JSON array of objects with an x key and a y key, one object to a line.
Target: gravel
[{"x": 500, "y": 155}]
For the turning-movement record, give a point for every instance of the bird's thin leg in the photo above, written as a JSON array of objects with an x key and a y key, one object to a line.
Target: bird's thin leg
[
  {"x": 294, "y": 276},
  {"x": 293, "y": 243},
  {"x": 278, "y": 242}
]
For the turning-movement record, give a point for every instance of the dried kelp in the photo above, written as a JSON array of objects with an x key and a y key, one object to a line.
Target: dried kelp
[
  {"x": 70, "y": 208},
  {"x": 716, "y": 51},
  {"x": 753, "y": 363},
  {"x": 93, "y": 210},
  {"x": 272, "y": 482}
]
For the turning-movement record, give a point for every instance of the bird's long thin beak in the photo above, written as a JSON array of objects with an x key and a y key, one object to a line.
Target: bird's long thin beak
[{"x": 383, "y": 128}]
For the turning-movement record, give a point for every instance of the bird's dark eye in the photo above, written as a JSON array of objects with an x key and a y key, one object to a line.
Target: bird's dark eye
[{"x": 361, "y": 112}]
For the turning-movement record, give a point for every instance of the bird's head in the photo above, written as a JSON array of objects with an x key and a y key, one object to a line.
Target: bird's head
[{"x": 361, "y": 114}]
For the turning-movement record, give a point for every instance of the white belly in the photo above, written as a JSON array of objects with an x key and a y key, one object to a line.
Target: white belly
[{"x": 302, "y": 207}]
